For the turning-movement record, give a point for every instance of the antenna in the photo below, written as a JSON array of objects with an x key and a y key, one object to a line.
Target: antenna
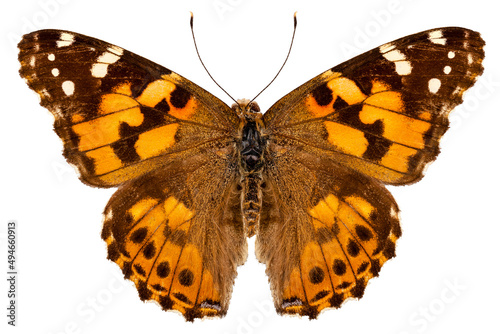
[
  {"x": 196, "y": 47},
  {"x": 288, "y": 55}
]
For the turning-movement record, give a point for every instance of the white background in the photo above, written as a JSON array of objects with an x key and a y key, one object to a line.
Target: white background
[{"x": 444, "y": 278}]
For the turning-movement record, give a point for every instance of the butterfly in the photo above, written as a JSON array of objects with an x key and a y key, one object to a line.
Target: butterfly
[{"x": 196, "y": 177}]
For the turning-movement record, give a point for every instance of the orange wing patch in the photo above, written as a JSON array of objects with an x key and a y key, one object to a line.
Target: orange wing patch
[
  {"x": 346, "y": 138},
  {"x": 348, "y": 252},
  {"x": 381, "y": 116},
  {"x": 153, "y": 250},
  {"x": 347, "y": 233},
  {"x": 382, "y": 113},
  {"x": 160, "y": 91},
  {"x": 101, "y": 138},
  {"x": 120, "y": 116}
]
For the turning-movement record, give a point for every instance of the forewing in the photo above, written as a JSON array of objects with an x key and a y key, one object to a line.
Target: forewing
[
  {"x": 382, "y": 113},
  {"x": 119, "y": 115}
]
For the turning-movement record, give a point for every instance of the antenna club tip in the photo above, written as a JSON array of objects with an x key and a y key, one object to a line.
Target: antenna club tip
[
  {"x": 191, "y": 20},
  {"x": 295, "y": 19}
]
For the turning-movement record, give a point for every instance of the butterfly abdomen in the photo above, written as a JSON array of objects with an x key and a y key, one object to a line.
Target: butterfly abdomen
[{"x": 251, "y": 202}]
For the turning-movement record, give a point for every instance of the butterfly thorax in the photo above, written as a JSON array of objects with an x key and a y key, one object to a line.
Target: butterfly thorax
[{"x": 251, "y": 145}]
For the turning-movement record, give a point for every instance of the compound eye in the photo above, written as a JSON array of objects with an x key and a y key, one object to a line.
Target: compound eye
[{"x": 254, "y": 107}]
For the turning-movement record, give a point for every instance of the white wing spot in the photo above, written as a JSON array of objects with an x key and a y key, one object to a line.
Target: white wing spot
[
  {"x": 394, "y": 213},
  {"x": 65, "y": 39},
  {"x": 434, "y": 85},
  {"x": 57, "y": 111},
  {"x": 108, "y": 58},
  {"x": 394, "y": 55},
  {"x": 435, "y": 34},
  {"x": 451, "y": 54},
  {"x": 45, "y": 93},
  {"x": 100, "y": 68},
  {"x": 436, "y": 37},
  {"x": 55, "y": 72},
  {"x": 109, "y": 215},
  {"x": 68, "y": 87},
  {"x": 51, "y": 57},
  {"x": 32, "y": 61},
  {"x": 403, "y": 67},
  {"x": 116, "y": 50},
  {"x": 470, "y": 59},
  {"x": 447, "y": 70},
  {"x": 457, "y": 90},
  {"x": 386, "y": 47}
]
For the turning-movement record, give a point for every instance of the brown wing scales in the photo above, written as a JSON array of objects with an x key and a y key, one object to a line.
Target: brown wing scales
[
  {"x": 167, "y": 143},
  {"x": 328, "y": 239},
  {"x": 120, "y": 115},
  {"x": 382, "y": 113},
  {"x": 328, "y": 224},
  {"x": 180, "y": 248}
]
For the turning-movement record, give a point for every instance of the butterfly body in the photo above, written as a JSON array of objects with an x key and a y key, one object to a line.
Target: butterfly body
[
  {"x": 251, "y": 146},
  {"x": 196, "y": 178}
]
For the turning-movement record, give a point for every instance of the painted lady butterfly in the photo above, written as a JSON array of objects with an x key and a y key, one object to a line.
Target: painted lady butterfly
[{"x": 196, "y": 177}]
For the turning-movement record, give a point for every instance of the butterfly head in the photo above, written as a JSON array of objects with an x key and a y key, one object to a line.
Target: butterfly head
[{"x": 245, "y": 106}]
